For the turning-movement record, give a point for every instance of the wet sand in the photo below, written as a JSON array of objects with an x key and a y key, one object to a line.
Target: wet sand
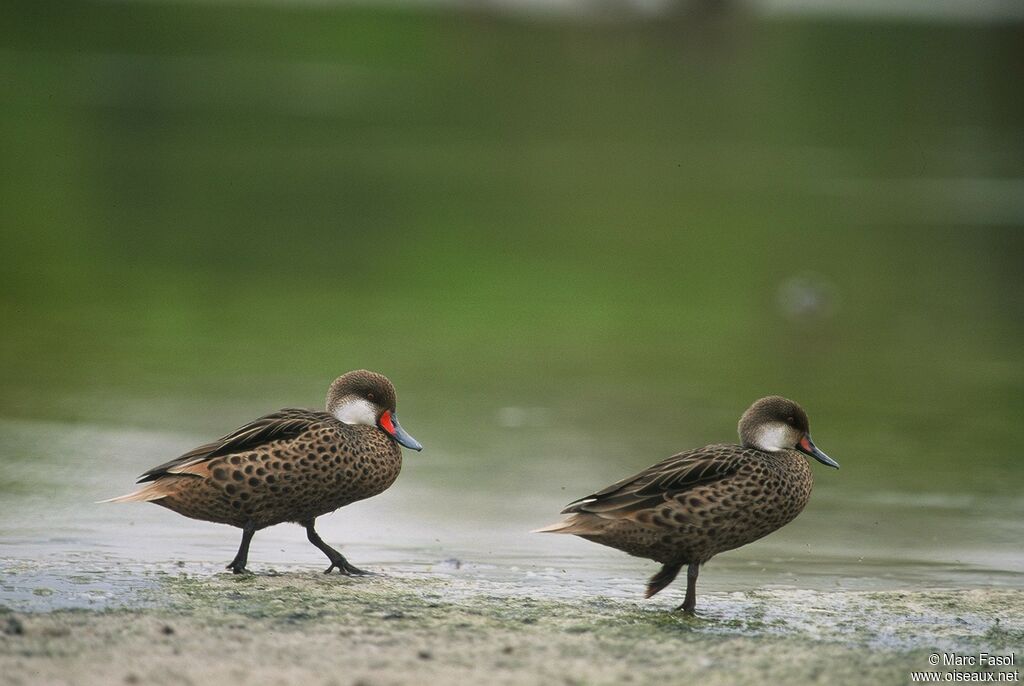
[{"x": 301, "y": 627}]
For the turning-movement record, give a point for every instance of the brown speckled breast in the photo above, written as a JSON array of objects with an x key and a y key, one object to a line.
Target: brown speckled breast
[{"x": 327, "y": 466}]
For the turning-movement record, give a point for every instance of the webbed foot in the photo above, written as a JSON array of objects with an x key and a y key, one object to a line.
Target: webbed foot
[{"x": 345, "y": 567}]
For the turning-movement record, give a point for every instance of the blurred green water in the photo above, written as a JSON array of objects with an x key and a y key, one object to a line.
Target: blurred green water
[{"x": 210, "y": 211}]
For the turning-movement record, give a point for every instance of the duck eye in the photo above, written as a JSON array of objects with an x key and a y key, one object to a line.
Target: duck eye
[
  {"x": 370, "y": 396},
  {"x": 790, "y": 420}
]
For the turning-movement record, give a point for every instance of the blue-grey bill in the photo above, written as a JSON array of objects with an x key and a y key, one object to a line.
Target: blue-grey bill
[
  {"x": 806, "y": 446},
  {"x": 403, "y": 437}
]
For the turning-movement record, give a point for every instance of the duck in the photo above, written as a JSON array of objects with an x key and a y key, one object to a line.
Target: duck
[
  {"x": 292, "y": 465},
  {"x": 688, "y": 508}
]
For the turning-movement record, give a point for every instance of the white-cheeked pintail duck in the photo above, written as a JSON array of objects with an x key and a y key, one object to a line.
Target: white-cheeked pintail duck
[
  {"x": 694, "y": 505},
  {"x": 289, "y": 466}
]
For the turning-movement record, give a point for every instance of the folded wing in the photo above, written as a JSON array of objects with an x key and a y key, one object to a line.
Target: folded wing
[
  {"x": 284, "y": 424},
  {"x": 653, "y": 485}
]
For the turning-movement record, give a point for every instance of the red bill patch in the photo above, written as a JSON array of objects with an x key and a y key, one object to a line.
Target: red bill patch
[{"x": 386, "y": 423}]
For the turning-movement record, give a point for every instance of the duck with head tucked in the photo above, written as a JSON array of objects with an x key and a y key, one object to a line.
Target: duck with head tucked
[
  {"x": 694, "y": 505},
  {"x": 289, "y": 466}
]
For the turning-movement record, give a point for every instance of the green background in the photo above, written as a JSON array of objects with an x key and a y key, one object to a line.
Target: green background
[{"x": 210, "y": 211}]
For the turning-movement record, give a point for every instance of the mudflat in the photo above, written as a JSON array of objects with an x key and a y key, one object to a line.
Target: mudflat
[{"x": 301, "y": 627}]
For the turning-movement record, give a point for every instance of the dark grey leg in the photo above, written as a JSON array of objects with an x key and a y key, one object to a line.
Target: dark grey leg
[
  {"x": 337, "y": 559},
  {"x": 663, "y": 578},
  {"x": 691, "y": 589},
  {"x": 238, "y": 564}
]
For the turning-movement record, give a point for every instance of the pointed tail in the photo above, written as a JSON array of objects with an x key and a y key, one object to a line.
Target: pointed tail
[
  {"x": 149, "y": 492},
  {"x": 556, "y": 528},
  {"x": 580, "y": 524}
]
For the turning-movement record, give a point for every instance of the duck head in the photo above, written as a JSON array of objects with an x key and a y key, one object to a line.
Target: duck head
[
  {"x": 368, "y": 398},
  {"x": 776, "y": 423}
]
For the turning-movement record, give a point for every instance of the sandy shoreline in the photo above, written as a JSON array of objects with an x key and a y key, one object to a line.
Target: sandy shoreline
[{"x": 300, "y": 627}]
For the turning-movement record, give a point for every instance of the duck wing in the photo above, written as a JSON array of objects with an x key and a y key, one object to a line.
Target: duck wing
[
  {"x": 283, "y": 424},
  {"x": 666, "y": 479}
]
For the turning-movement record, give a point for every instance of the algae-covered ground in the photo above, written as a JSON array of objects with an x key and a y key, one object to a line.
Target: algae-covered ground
[{"x": 301, "y": 627}]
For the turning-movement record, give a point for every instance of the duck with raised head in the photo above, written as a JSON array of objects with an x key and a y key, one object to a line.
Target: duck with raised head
[
  {"x": 694, "y": 505},
  {"x": 289, "y": 466}
]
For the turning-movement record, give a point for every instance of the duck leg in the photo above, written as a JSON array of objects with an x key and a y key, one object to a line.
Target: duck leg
[
  {"x": 690, "y": 602},
  {"x": 238, "y": 564},
  {"x": 337, "y": 559},
  {"x": 663, "y": 578}
]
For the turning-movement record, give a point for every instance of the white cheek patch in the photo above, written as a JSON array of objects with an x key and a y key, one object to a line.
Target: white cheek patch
[
  {"x": 773, "y": 437},
  {"x": 356, "y": 411}
]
